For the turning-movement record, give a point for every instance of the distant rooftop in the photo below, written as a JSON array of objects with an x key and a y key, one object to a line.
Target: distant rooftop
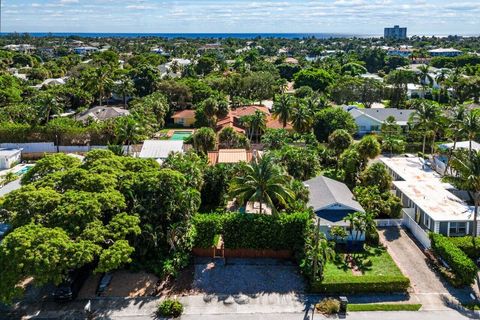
[{"x": 160, "y": 149}]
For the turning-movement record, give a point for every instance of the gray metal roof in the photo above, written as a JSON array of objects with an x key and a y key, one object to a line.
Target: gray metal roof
[
  {"x": 381, "y": 114},
  {"x": 101, "y": 113},
  {"x": 325, "y": 192}
]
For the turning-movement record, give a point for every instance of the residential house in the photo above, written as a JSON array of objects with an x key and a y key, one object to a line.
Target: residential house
[
  {"x": 429, "y": 203},
  {"x": 85, "y": 50},
  {"x": 229, "y": 156},
  {"x": 401, "y": 52},
  {"x": 102, "y": 113},
  {"x": 331, "y": 202},
  {"x": 442, "y": 52},
  {"x": 51, "y": 82},
  {"x": 9, "y": 157},
  {"x": 160, "y": 149},
  {"x": 185, "y": 118},
  {"x": 23, "y": 48},
  {"x": 371, "y": 120}
]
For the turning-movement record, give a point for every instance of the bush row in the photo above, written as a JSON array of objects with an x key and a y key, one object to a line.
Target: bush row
[
  {"x": 469, "y": 245},
  {"x": 252, "y": 231},
  {"x": 363, "y": 284},
  {"x": 461, "y": 265}
]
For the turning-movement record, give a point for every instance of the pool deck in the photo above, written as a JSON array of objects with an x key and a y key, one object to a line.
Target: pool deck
[{"x": 171, "y": 132}]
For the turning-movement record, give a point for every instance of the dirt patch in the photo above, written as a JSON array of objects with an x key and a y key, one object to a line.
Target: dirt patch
[{"x": 181, "y": 285}]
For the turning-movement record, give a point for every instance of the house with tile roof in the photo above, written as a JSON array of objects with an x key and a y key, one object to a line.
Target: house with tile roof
[{"x": 102, "y": 113}]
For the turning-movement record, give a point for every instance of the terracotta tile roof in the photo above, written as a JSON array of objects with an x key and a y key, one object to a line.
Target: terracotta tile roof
[
  {"x": 184, "y": 114},
  {"x": 232, "y": 155},
  {"x": 249, "y": 110},
  {"x": 212, "y": 157},
  {"x": 273, "y": 123}
]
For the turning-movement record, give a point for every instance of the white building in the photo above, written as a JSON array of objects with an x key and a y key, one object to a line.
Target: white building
[
  {"x": 427, "y": 200},
  {"x": 9, "y": 157},
  {"x": 371, "y": 120},
  {"x": 85, "y": 50},
  {"x": 442, "y": 52},
  {"x": 160, "y": 149}
]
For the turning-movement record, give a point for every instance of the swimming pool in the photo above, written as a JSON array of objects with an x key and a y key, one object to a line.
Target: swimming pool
[
  {"x": 23, "y": 170},
  {"x": 180, "y": 135}
]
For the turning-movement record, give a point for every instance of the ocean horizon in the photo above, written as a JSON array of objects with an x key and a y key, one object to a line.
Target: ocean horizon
[{"x": 191, "y": 35}]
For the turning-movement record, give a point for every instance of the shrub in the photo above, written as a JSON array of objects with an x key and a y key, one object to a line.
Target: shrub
[
  {"x": 469, "y": 245},
  {"x": 462, "y": 266},
  {"x": 361, "y": 284},
  {"x": 252, "y": 231},
  {"x": 170, "y": 308},
  {"x": 328, "y": 306},
  {"x": 372, "y": 238}
]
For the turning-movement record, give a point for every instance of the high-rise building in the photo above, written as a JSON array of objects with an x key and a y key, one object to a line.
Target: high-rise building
[{"x": 395, "y": 33}]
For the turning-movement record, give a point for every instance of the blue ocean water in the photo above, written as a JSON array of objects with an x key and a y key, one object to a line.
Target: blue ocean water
[{"x": 194, "y": 35}]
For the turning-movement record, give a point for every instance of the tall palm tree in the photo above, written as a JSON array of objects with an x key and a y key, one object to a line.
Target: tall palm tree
[
  {"x": 124, "y": 87},
  {"x": 441, "y": 80},
  {"x": 262, "y": 181},
  {"x": 129, "y": 131},
  {"x": 471, "y": 126},
  {"x": 424, "y": 77},
  {"x": 255, "y": 124},
  {"x": 456, "y": 126},
  {"x": 467, "y": 168},
  {"x": 302, "y": 118},
  {"x": 426, "y": 112},
  {"x": 48, "y": 106},
  {"x": 282, "y": 109}
]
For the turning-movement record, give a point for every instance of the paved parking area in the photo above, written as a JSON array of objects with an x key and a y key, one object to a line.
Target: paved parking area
[
  {"x": 427, "y": 286},
  {"x": 247, "y": 276}
]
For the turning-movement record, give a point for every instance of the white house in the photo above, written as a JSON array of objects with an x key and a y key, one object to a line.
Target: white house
[
  {"x": 9, "y": 157},
  {"x": 85, "y": 50},
  {"x": 442, "y": 52},
  {"x": 371, "y": 120},
  {"x": 160, "y": 149}
]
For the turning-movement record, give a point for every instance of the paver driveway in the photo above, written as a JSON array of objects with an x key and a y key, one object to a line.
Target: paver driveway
[{"x": 432, "y": 291}]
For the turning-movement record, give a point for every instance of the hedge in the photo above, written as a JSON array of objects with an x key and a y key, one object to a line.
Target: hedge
[
  {"x": 461, "y": 265},
  {"x": 252, "y": 231},
  {"x": 361, "y": 284},
  {"x": 469, "y": 245}
]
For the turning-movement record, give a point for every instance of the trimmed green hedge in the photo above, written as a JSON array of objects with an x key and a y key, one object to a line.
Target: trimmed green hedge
[
  {"x": 469, "y": 245},
  {"x": 361, "y": 284},
  {"x": 461, "y": 265},
  {"x": 252, "y": 231}
]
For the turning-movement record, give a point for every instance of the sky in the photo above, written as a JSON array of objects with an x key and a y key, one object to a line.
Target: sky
[{"x": 360, "y": 17}]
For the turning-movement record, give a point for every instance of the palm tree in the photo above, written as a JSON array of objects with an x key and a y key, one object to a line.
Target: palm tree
[
  {"x": 262, "y": 181},
  {"x": 255, "y": 124},
  {"x": 302, "y": 118},
  {"x": 124, "y": 87},
  {"x": 425, "y": 113},
  {"x": 441, "y": 80},
  {"x": 471, "y": 126},
  {"x": 49, "y": 105},
  {"x": 456, "y": 126},
  {"x": 424, "y": 77},
  {"x": 467, "y": 168},
  {"x": 282, "y": 109},
  {"x": 129, "y": 131},
  {"x": 100, "y": 81}
]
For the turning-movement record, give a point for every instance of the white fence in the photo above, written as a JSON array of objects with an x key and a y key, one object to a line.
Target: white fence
[
  {"x": 50, "y": 147},
  {"x": 416, "y": 230},
  {"x": 382, "y": 223}
]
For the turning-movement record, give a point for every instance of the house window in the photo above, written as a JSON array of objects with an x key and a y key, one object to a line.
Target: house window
[
  {"x": 426, "y": 221},
  {"x": 375, "y": 128},
  {"x": 458, "y": 228},
  {"x": 362, "y": 128}
]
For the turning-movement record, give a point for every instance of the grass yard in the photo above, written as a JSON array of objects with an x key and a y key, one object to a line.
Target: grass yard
[
  {"x": 370, "y": 271},
  {"x": 374, "y": 261},
  {"x": 384, "y": 307}
]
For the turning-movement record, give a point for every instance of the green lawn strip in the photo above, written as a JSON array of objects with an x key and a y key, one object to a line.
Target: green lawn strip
[
  {"x": 384, "y": 307},
  {"x": 472, "y": 306}
]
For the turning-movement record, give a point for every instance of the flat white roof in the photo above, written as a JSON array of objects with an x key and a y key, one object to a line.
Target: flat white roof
[
  {"x": 462, "y": 145},
  {"x": 435, "y": 200},
  {"x": 424, "y": 187},
  {"x": 159, "y": 149},
  {"x": 9, "y": 152}
]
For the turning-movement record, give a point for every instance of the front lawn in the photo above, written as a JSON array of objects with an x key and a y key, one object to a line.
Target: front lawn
[
  {"x": 383, "y": 307},
  {"x": 370, "y": 271}
]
